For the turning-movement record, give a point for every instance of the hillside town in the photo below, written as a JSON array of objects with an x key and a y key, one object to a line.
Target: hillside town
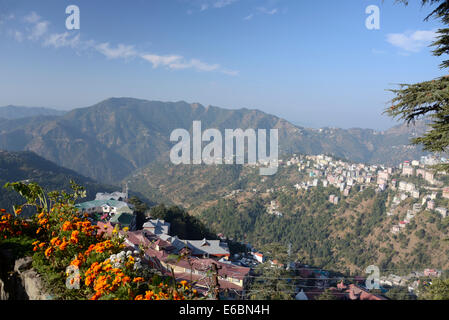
[
  {"x": 155, "y": 243},
  {"x": 413, "y": 179}
]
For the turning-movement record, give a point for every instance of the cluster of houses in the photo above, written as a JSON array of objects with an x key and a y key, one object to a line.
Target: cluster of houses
[
  {"x": 110, "y": 206},
  {"x": 344, "y": 175},
  {"x": 159, "y": 246},
  {"x": 326, "y": 171},
  {"x": 273, "y": 209},
  {"x": 410, "y": 281}
]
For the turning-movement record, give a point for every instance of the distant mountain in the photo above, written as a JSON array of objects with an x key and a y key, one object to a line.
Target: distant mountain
[
  {"x": 27, "y": 166},
  {"x": 15, "y": 112},
  {"x": 110, "y": 140}
]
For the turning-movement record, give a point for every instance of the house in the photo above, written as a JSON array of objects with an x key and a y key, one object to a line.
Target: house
[
  {"x": 383, "y": 175},
  {"x": 118, "y": 196},
  {"x": 124, "y": 219},
  {"x": 199, "y": 248},
  {"x": 157, "y": 226},
  {"x": 408, "y": 171},
  {"x": 395, "y": 229},
  {"x": 358, "y": 293},
  {"x": 301, "y": 296},
  {"x": 336, "y": 200},
  {"x": 417, "y": 207},
  {"x": 231, "y": 278},
  {"x": 446, "y": 193},
  {"x": 110, "y": 207},
  {"x": 258, "y": 257},
  {"x": 403, "y": 224},
  {"x": 158, "y": 254},
  {"x": 276, "y": 263},
  {"x": 431, "y": 273},
  {"x": 442, "y": 211}
]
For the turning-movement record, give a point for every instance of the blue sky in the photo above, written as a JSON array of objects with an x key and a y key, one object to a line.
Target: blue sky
[{"x": 313, "y": 63}]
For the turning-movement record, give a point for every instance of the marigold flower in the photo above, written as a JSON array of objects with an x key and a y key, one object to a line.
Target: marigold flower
[
  {"x": 67, "y": 226},
  {"x": 48, "y": 252},
  {"x": 63, "y": 245}
]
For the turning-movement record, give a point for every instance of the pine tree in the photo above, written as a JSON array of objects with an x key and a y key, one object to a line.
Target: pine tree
[{"x": 429, "y": 99}]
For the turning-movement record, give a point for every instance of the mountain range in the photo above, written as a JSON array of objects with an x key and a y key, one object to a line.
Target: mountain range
[
  {"x": 112, "y": 139},
  {"x": 15, "y": 112}
]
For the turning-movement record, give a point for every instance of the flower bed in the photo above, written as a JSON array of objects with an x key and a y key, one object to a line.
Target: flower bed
[{"x": 77, "y": 261}]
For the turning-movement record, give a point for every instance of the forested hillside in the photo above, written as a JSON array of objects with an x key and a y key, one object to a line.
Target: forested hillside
[
  {"x": 28, "y": 167},
  {"x": 350, "y": 236}
]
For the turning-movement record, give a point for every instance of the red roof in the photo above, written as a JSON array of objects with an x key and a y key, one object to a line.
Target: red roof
[{"x": 357, "y": 293}]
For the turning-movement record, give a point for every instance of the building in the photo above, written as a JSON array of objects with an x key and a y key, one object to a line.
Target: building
[
  {"x": 259, "y": 257},
  {"x": 158, "y": 253},
  {"x": 118, "y": 196},
  {"x": 109, "y": 207},
  {"x": 408, "y": 171},
  {"x": 122, "y": 218},
  {"x": 417, "y": 207},
  {"x": 157, "y": 227},
  {"x": 446, "y": 193},
  {"x": 358, "y": 293},
  {"x": 442, "y": 211}
]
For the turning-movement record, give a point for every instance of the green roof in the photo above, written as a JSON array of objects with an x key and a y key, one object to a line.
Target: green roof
[
  {"x": 124, "y": 219},
  {"x": 99, "y": 203}
]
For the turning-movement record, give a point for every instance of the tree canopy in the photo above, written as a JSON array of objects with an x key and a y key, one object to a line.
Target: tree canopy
[{"x": 428, "y": 99}]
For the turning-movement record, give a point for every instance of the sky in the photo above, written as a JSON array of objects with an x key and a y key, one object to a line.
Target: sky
[{"x": 314, "y": 63}]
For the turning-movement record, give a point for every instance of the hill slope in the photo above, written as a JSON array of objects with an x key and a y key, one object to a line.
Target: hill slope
[
  {"x": 27, "y": 166},
  {"x": 356, "y": 233}
]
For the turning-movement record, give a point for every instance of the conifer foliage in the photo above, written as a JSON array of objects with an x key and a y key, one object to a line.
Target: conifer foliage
[{"x": 429, "y": 99}]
